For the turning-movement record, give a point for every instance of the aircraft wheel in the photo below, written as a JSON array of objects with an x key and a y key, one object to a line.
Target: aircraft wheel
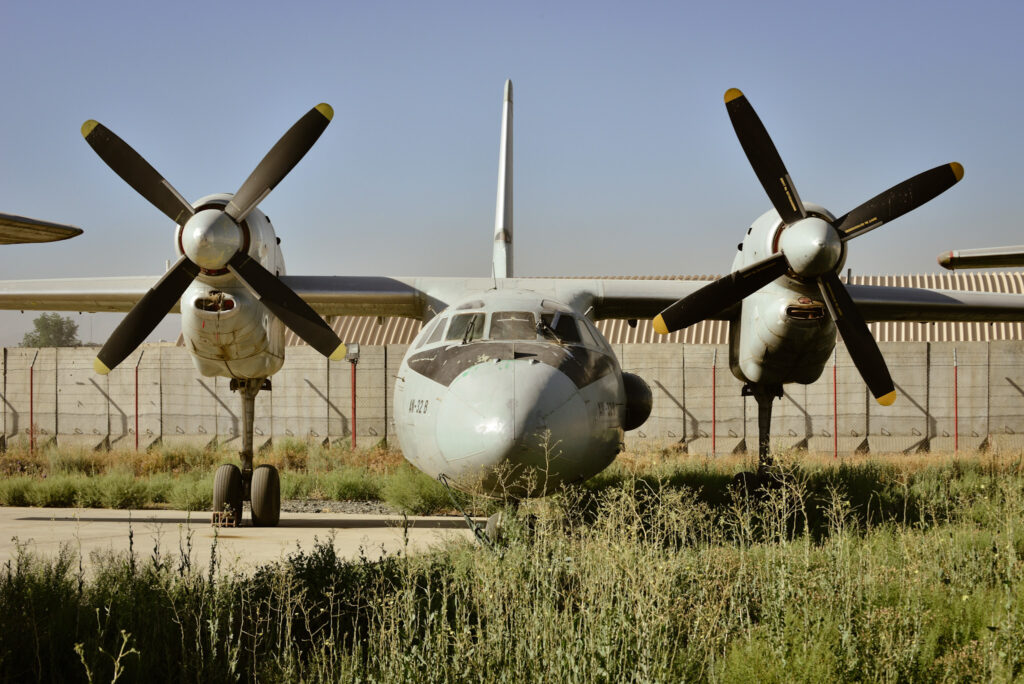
[
  {"x": 227, "y": 496},
  {"x": 495, "y": 527},
  {"x": 266, "y": 496}
]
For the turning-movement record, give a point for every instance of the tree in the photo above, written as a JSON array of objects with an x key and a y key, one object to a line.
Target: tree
[{"x": 52, "y": 330}]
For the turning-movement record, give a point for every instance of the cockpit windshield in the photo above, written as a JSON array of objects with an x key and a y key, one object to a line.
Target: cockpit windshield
[
  {"x": 561, "y": 326},
  {"x": 466, "y": 327},
  {"x": 513, "y": 325}
]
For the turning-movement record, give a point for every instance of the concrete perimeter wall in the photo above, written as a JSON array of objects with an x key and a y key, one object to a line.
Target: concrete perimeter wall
[{"x": 981, "y": 404}]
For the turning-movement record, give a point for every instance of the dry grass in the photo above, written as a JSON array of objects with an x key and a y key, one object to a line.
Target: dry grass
[{"x": 855, "y": 572}]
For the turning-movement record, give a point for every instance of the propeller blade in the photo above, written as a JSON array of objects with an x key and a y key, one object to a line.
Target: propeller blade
[
  {"x": 862, "y": 346},
  {"x": 288, "y": 306},
  {"x": 145, "y": 315},
  {"x": 898, "y": 200},
  {"x": 136, "y": 171},
  {"x": 281, "y": 159},
  {"x": 720, "y": 294},
  {"x": 763, "y": 157}
]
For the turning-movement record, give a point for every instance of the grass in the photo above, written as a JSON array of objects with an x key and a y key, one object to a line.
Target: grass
[
  {"x": 866, "y": 571},
  {"x": 880, "y": 487},
  {"x": 183, "y": 477}
]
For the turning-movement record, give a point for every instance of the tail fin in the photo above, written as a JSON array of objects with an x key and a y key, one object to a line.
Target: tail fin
[{"x": 501, "y": 261}]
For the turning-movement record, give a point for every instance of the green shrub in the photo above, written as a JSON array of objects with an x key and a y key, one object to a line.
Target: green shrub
[
  {"x": 123, "y": 490},
  {"x": 58, "y": 491},
  {"x": 351, "y": 484},
  {"x": 160, "y": 487},
  {"x": 296, "y": 485},
  {"x": 409, "y": 490},
  {"x": 14, "y": 491},
  {"x": 192, "y": 494},
  {"x": 90, "y": 493}
]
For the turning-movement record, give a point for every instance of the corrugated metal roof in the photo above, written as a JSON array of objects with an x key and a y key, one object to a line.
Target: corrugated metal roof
[{"x": 370, "y": 330}]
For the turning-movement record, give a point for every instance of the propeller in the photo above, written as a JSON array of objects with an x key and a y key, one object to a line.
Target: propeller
[
  {"x": 212, "y": 239},
  {"x": 810, "y": 247}
]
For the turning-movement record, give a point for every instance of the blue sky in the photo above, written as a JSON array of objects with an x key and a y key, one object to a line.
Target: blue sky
[{"x": 626, "y": 162}]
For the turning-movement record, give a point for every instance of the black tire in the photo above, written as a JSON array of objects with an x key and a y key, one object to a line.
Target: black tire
[
  {"x": 266, "y": 496},
  {"x": 227, "y": 496}
]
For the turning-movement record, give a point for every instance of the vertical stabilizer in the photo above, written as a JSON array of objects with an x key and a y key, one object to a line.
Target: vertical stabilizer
[{"x": 501, "y": 262}]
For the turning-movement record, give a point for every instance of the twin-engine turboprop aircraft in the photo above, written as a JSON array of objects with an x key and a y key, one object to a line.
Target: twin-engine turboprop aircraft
[{"x": 509, "y": 388}]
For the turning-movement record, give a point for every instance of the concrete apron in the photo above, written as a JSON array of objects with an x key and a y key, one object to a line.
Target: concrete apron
[{"x": 93, "y": 533}]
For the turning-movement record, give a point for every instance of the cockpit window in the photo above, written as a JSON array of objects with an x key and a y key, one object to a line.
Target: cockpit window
[
  {"x": 561, "y": 326},
  {"x": 466, "y": 327},
  {"x": 434, "y": 330},
  {"x": 588, "y": 334},
  {"x": 513, "y": 325}
]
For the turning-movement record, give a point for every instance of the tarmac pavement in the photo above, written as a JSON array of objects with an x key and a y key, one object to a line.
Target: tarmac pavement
[{"x": 92, "y": 531}]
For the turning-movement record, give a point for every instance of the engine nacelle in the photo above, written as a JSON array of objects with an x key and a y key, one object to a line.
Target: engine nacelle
[
  {"x": 639, "y": 401},
  {"x": 230, "y": 333},
  {"x": 781, "y": 336},
  {"x": 226, "y": 329}
]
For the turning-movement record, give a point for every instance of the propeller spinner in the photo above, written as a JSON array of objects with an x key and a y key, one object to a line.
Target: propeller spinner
[
  {"x": 212, "y": 239},
  {"x": 809, "y": 246}
]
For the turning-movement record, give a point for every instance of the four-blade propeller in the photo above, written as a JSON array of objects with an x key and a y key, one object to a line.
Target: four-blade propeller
[
  {"x": 213, "y": 242},
  {"x": 810, "y": 247}
]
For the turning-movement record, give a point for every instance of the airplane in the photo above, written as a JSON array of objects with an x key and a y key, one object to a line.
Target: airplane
[
  {"x": 21, "y": 230},
  {"x": 509, "y": 389},
  {"x": 989, "y": 257}
]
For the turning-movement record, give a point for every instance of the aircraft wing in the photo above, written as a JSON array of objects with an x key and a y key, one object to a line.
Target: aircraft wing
[
  {"x": 19, "y": 230},
  {"x": 992, "y": 257},
  {"x": 622, "y": 298},
  {"x": 421, "y": 297},
  {"x": 880, "y": 303},
  {"x": 75, "y": 294},
  {"x": 328, "y": 295}
]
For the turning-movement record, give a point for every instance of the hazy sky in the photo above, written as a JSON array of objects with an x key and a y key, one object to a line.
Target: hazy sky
[{"x": 626, "y": 162}]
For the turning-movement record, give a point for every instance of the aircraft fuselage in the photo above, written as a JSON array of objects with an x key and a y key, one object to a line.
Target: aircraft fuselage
[{"x": 510, "y": 393}]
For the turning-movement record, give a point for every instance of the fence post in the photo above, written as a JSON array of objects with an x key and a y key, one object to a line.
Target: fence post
[
  {"x": 835, "y": 407},
  {"x": 32, "y": 404},
  {"x": 956, "y": 405},
  {"x": 714, "y": 406},
  {"x": 137, "y": 399}
]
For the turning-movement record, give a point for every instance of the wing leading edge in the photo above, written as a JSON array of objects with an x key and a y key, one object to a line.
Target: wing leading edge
[{"x": 602, "y": 298}]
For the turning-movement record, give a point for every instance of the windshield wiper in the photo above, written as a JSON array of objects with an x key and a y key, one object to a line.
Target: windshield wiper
[
  {"x": 544, "y": 328},
  {"x": 469, "y": 330}
]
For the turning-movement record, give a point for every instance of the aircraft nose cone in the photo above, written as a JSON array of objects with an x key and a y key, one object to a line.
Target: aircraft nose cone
[
  {"x": 476, "y": 419},
  {"x": 514, "y": 414},
  {"x": 210, "y": 238}
]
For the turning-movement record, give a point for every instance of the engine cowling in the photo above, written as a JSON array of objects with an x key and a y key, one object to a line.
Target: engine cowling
[{"x": 639, "y": 401}]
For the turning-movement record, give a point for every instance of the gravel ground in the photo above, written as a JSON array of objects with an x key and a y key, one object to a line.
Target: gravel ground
[{"x": 320, "y": 506}]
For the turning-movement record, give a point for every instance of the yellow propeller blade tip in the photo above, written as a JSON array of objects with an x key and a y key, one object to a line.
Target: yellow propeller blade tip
[
  {"x": 958, "y": 170},
  {"x": 659, "y": 325},
  {"x": 88, "y": 127},
  {"x": 326, "y": 109},
  {"x": 339, "y": 353},
  {"x": 887, "y": 399},
  {"x": 99, "y": 366},
  {"x": 732, "y": 93}
]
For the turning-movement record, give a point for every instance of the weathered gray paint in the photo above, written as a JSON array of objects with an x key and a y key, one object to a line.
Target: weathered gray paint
[{"x": 311, "y": 400}]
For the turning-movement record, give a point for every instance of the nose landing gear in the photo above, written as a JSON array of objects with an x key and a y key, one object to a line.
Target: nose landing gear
[{"x": 233, "y": 485}]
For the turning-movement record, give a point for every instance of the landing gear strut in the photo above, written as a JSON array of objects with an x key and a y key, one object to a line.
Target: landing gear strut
[
  {"x": 232, "y": 486},
  {"x": 764, "y": 395}
]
